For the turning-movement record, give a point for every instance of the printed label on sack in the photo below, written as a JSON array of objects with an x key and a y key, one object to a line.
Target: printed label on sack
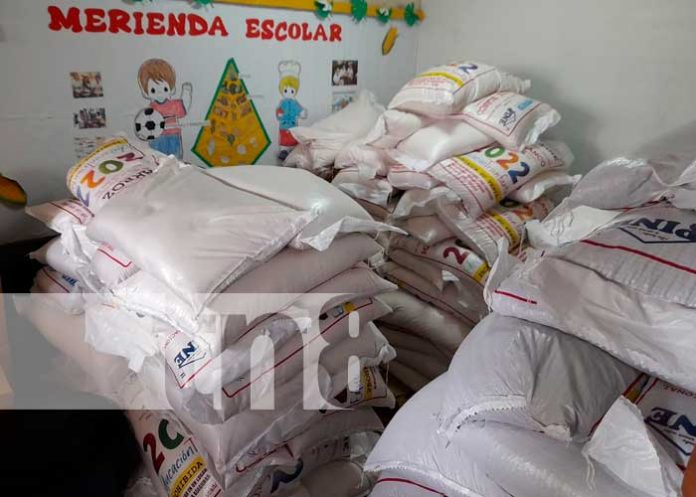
[
  {"x": 185, "y": 357},
  {"x": 450, "y": 77},
  {"x": 108, "y": 170},
  {"x": 74, "y": 209},
  {"x": 451, "y": 254},
  {"x": 483, "y": 178},
  {"x": 648, "y": 249},
  {"x": 671, "y": 413},
  {"x": 174, "y": 456},
  {"x": 505, "y": 221},
  {"x": 502, "y": 111}
]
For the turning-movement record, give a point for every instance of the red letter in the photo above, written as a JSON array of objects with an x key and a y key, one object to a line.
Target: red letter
[
  {"x": 95, "y": 21},
  {"x": 118, "y": 21},
  {"x": 177, "y": 25},
  {"x": 335, "y": 32},
  {"x": 218, "y": 25},
  {"x": 295, "y": 31},
  {"x": 306, "y": 33},
  {"x": 321, "y": 32},
  {"x": 267, "y": 29},
  {"x": 281, "y": 32},
  {"x": 197, "y": 25},
  {"x": 155, "y": 23},
  {"x": 252, "y": 28},
  {"x": 59, "y": 21},
  {"x": 138, "y": 16}
]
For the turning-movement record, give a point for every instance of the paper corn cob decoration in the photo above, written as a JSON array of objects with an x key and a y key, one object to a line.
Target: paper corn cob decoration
[
  {"x": 389, "y": 40},
  {"x": 11, "y": 192}
]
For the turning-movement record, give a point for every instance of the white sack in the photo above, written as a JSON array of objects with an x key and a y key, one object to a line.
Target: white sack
[
  {"x": 109, "y": 170},
  {"x": 525, "y": 463},
  {"x": 515, "y": 121},
  {"x": 465, "y": 301},
  {"x": 445, "y": 90},
  {"x": 429, "y": 455},
  {"x": 627, "y": 289},
  {"x": 195, "y": 248},
  {"x": 541, "y": 184},
  {"x": 336, "y": 213},
  {"x": 551, "y": 382},
  {"x": 484, "y": 178},
  {"x": 375, "y": 191},
  {"x": 404, "y": 178},
  {"x": 422, "y": 267},
  {"x": 419, "y": 318},
  {"x": 111, "y": 266},
  {"x": 624, "y": 447},
  {"x": 428, "y": 230},
  {"x": 503, "y": 222},
  {"x": 369, "y": 161},
  {"x": 450, "y": 255},
  {"x": 394, "y": 126},
  {"x": 54, "y": 254},
  {"x": 59, "y": 290},
  {"x": 417, "y": 203},
  {"x": 442, "y": 139}
]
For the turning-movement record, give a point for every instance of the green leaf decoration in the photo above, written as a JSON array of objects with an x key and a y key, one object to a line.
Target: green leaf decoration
[
  {"x": 322, "y": 8},
  {"x": 358, "y": 9},
  {"x": 384, "y": 14},
  {"x": 204, "y": 2},
  {"x": 410, "y": 15}
]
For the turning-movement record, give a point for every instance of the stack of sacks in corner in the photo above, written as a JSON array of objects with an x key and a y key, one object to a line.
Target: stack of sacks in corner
[
  {"x": 456, "y": 162},
  {"x": 582, "y": 380},
  {"x": 222, "y": 283}
]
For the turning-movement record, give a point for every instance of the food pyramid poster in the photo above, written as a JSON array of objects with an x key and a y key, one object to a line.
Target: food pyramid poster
[{"x": 235, "y": 133}]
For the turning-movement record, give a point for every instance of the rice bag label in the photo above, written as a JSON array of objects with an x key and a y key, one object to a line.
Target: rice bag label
[
  {"x": 450, "y": 77},
  {"x": 506, "y": 221},
  {"x": 671, "y": 413},
  {"x": 650, "y": 250},
  {"x": 185, "y": 357},
  {"x": 451, "y": 255},
  {"x": 483, "y": 178},
  {"x": 110, "y": 169},
  {"x": 174, "y": 456},
  {"x": 368, "y": 386},
  {"x": 502, "y": 111}
]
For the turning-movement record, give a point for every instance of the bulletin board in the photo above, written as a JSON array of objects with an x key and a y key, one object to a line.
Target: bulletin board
[{"x": 83, "y": 70}]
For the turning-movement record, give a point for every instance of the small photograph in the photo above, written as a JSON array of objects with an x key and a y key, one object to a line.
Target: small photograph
[
  {"x": 90, "y": 118},
  {"x": 85, "y": 145},
  {"x": 86, "y": 84},
  {"x": 341, "y": 100},
  {"x": 344, "y": 73}
]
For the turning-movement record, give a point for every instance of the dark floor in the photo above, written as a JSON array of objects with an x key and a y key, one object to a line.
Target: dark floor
[{"x": 54, "y": 453}]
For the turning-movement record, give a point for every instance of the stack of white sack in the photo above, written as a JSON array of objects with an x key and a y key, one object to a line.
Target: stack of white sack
[
  {"x": 245, "y": 285},
  {"x": 456, "y": 162},
  {"x": 319, "y": 144},
  {"x": 177, "y": 459},
  {"x": 581, "y": 383}
]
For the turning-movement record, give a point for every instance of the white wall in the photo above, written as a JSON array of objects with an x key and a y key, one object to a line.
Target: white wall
[
  {"x": 619, "y": 71},
  {"x": 36, "y": 102}
]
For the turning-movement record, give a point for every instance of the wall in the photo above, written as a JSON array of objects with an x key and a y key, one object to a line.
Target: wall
[
  {"x": 37, "y": 131},
  {"x": 619, "y": 71}
]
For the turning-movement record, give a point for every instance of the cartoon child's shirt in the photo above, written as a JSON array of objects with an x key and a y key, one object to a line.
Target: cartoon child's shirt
[
  {"x": 171, "y": 110},
  {"x": 288, "y": 113}
]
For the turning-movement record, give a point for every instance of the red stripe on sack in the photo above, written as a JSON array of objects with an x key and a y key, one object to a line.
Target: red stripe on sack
[
  {"x": 642, "y": 254},
  {"x": 409, "y": 482},
  {"x": 120, "y": 263},
  {"x": 292, "y": 354},
  {"x": 516, "y": 297}
]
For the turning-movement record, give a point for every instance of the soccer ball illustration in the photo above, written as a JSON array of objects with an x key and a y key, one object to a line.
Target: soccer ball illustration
[{"x": 149, "y": 124}]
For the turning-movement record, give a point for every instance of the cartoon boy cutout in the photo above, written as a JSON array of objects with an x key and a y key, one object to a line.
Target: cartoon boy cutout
[
  {"x": 289, "y": 110},
  {"x": 157, "y": 80}
]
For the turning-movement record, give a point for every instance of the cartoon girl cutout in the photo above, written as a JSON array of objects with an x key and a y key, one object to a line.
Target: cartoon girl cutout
[{"x": 289, "y": 110}]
